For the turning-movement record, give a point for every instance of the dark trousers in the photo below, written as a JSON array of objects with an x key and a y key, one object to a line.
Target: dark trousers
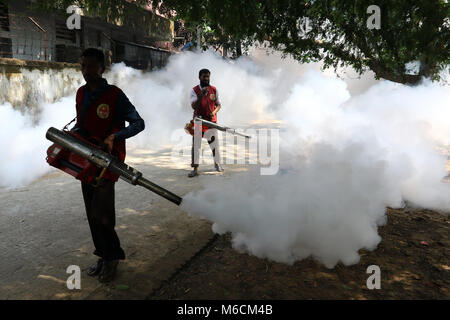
[
  {"x": 100, "y": 210},
  {"x": 195, "y": 151}
]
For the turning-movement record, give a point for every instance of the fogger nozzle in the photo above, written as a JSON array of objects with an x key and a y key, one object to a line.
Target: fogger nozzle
[{"x": 213, "y": 125}]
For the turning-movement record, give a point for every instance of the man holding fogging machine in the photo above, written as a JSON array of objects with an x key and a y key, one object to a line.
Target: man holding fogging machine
[
  {"x": 102, "y": 110},
  {"x": 205, "y": 102}
]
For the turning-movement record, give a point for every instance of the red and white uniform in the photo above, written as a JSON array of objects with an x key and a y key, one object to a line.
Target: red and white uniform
[{"x": 207, "y": 105}]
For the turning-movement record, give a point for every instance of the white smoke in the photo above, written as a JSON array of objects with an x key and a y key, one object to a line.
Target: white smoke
[
  {"x": 23, "y": 141},
  {"x": 47, "y": 98},
  {"x": 349, "y": 148},
  {"x": 343, "y": 160}
]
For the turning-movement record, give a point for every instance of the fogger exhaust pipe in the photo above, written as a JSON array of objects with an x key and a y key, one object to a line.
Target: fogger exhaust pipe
[
  {"x": 213, "y": 125},
  {"x": 108, "y": 161}
]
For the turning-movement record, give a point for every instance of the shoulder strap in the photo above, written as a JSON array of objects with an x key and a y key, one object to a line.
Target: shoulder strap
[
  {"x": 67, "y": 125},
  {"x": 197, "y": 89},
  {"x": 114, "y": 119}
]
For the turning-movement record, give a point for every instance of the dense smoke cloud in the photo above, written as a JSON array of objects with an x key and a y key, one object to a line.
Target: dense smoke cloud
[
  {"x": 348, "y": 149},
  {"x": 343, "y": 160}
]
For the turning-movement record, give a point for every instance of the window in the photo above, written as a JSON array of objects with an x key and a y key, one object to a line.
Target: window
[
  {"x": 4, "y": 17},
  {"x": 5, "y": 48}
]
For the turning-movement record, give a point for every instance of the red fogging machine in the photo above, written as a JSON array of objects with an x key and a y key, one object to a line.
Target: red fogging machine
[{"x": 87, "y": 162}]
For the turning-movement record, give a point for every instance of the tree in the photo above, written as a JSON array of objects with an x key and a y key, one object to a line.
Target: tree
[{"x": 337, "y": 35}]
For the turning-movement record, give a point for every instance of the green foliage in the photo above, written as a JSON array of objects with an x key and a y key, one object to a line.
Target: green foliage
[{"x": 410, "y": 30}]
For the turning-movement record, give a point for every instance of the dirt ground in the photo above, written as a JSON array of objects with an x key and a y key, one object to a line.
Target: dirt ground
[{"x": 413, "y": 256}]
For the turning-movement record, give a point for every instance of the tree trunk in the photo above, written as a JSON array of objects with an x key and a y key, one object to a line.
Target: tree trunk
[
  {"x": 410, "y": 79},
  {"x": 238, "y": 49}
]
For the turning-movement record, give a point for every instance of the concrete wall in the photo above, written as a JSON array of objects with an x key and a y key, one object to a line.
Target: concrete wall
[
  {"x": 15, "y": 65},
  {"x": 26, "y": 84}
]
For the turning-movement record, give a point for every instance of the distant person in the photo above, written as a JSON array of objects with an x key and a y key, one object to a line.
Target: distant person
[
  {"x": 205, "y": 102},
  {"x": 102, "y": 110}
]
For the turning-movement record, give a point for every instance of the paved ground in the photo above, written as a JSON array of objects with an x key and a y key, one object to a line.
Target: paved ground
[{"x": 43, "y": 230}]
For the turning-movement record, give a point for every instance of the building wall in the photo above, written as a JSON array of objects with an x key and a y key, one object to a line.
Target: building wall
[
  {"x": 146, "y": 24},
  {"x": 27, "y": 40},
  {"x": 128, "y": 44}
]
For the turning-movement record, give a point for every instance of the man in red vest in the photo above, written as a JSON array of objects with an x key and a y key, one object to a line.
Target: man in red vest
[
  {"x": 102, "y": 110},
  {"x": 205, "y": 102}
]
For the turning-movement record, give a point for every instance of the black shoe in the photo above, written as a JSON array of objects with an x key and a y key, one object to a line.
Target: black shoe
[
  {"x": 108, "y": 270},
  {"x": 193, "y": 173},
  {"x": 96, "y": 268},
  {"x": 218, "y": 167}
]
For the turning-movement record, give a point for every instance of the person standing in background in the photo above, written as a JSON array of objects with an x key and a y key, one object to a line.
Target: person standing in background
[{"x": 206, "y": 104}]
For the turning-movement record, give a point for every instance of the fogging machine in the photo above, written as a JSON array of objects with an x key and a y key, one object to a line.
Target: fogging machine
[
  {"x": 87, "y": 162},
  {"x": 189, "y": 128}
]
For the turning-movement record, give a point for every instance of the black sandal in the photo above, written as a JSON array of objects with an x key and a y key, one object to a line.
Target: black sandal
[{"x": 193, "y": 173}]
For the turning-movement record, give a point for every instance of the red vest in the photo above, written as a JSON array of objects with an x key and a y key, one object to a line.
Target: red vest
[
  {"x": 207, "y": 105},
  {"x": 99, "y": 121}
]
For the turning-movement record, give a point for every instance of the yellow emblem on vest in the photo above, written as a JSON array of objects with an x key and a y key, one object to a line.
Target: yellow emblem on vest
[
  {"x": 212, "y": 96},
  {"x": 103, "y": 111}
]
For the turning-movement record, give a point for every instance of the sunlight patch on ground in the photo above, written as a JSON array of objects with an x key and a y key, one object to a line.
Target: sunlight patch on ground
[{"x": 46, "y": 277}]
